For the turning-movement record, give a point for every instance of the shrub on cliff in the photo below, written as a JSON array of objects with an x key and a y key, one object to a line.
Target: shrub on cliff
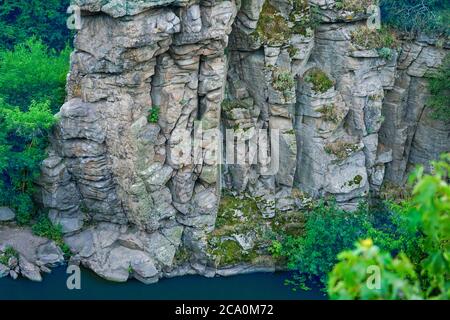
[
  {"x": 23, "y": 139},
  {"x": 439, "y": 85},
  {"x": 33, "y": 72},
  {"x": 330, "y": 230}
]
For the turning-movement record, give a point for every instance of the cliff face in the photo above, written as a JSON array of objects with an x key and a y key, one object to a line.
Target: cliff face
[{"x": 148, "y": 77}]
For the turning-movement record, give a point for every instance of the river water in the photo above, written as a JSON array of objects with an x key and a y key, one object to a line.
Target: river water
[{"x": 257, "y": 286}]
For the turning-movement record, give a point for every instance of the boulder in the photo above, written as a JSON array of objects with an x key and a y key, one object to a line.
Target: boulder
[
  {"x": 6, "y": 214},
  {"x": 29, "y": 270}
]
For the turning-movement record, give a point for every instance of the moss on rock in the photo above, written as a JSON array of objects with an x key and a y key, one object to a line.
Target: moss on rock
[
  {"x": 340, "y": 149},
  {"x": 319, "y": 80},
  {"x": 368, "y": 39},
  {"x": 272, "y": 27}
]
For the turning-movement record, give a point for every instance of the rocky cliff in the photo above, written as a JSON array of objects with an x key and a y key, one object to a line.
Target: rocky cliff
[{"x": 136, "y": 197}]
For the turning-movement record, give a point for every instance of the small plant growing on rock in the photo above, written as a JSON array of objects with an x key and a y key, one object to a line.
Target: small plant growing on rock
[
  {"x": 329, "y": 113},
  {"x": 320, "y": 81},
  {"x": 283, "y": 81},
  {"x": 357, "y": 6},
  {"x": 386, "y": 53},
  {"x": 228, "y": 105},
  {"x": 46, "y": 229},
  {"x": 340, "y": 149},
  {"x": 439, "y": 85},
  {"x": 292, "y": 51},
  {"x": 153, "y": 117},
  {"x": 355, "y": 181},
  {"x": 304, "y": 17},
  {"x": 368, "y": 39},
  {"x": 182, "y": 255},
  {"x": 8, "y": 253},
  {"x": 272, "y": 27}
]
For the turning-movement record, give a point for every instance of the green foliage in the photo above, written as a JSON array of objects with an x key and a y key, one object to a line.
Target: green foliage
[
  {"x": 329, "y": 113},
  {"x": 228, "y": 105},
  {"x": 427, "y": 277},
  {"x": 386, "y": 53},
  {"x": 350, "y": 278},
  {"x": 430, "y": 213},
  {"x": 21, "y": 19},
  {"x": 283, "y": 81},
  {"x": 328, "y": 231},
  {"x": 182, "y": 255},
  {"x": 341, "y": 149},
  {"x": 153, "y": 117},
  {"x": 32, "y": 72},
  {"x": 319, "y": 79},
  {"x": 229, "y": 252},
  {"x": 275, "y": 29},
  {"x": 304, "y": 17},
  {"x": 23, "y": 139},
  {"x": 8, "y": 253},
  {"x": 46, "y": 229},
  {"x": 439, "y": 85},
  {"x": 384, "y": 39},
  {"x": 416, "y": 16},
  {"x": 272, "y": 27},
  {"x": 357, "y": 6}
]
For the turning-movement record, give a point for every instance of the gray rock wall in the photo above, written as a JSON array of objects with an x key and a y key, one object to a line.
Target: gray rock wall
[{"x": 130, "y": 191}]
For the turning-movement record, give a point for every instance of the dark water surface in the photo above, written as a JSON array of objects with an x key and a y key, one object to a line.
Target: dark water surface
[{"x": 252, "y": 286}]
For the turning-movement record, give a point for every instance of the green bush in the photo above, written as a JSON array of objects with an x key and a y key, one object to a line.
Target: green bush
[
  {"x": 8, "y": 253},
  {"x": 21, "y": 19},
  {"x": 415, "y": 16},
  {"x": 358, "y": 6},
  {"x": 272, "y": 27},
  {"x": 328, "y": 231},
  {"x": 283, "y": 80},
  {"x": 384, "y": 40},
  {"x": 153, "y": 117},
  {"x": 424, "y": 278},
  {"x": 23, "y": 139},
  {"x": 329, "y": 113},
  {"x": 32, "y": 72},
  {"x": 319, "y": 79},
  {"x": 45, "y": 228},
  {"x": 350, "y": 277},
  {"x": 439, "y": 85}
]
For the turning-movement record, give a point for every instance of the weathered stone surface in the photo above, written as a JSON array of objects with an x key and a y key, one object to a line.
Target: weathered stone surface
[
  {"x": 29, "y": 270},
  {"x": 129, "y": 186},
  {"x": 408, "y": 130},
  {"x": 6, "y": 214}
]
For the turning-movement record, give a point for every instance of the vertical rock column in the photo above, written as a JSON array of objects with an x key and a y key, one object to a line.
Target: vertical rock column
[
  {"x": 270, "y": 44},
  {"x": 409, "y": 130},
  {"x": 338, "y": 124},
  {"x": 142, "y": 80}
]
